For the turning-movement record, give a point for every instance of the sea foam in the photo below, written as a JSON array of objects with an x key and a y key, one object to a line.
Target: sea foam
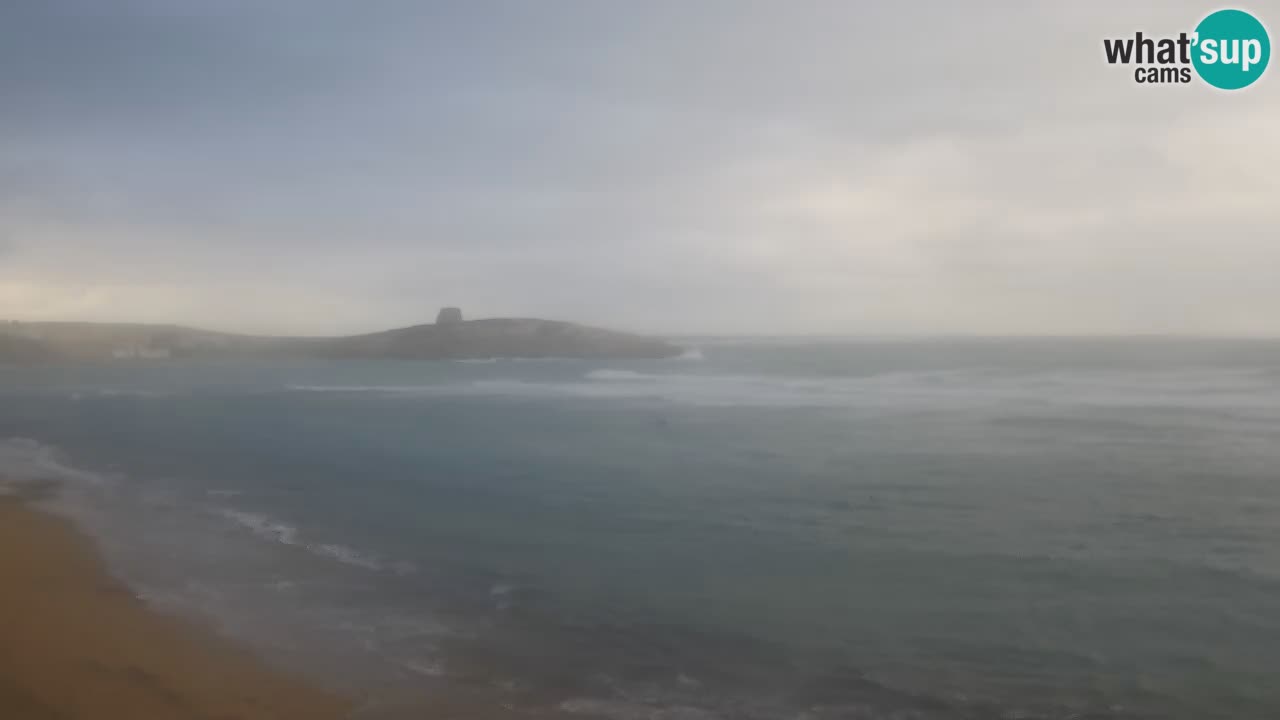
[
  {"x": 25, "y": 462},
  {"x": 274, "y": 530}
]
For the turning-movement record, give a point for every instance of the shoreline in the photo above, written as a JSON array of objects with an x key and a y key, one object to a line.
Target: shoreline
[{"x": 78, "y": 644}]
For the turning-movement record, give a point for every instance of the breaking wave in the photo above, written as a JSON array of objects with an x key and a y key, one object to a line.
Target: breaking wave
[
  {"x": 676, "y": 388},
  {"x": 885, "y": 390},
  {"x": 690, "y": 354},
  {"x": 624, "y": 375},
  {"x": 269, "y": 528},
  {"x": 25, "y": 462}
]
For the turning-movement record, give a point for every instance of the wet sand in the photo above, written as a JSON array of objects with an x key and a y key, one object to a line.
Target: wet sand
[{"x": 76, "y": 644}]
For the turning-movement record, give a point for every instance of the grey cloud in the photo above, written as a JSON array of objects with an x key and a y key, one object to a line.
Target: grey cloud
[{"x": 759, "y": 166}]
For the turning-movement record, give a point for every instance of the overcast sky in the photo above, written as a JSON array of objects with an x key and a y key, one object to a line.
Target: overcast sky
[{"x": 673, "y": 166}]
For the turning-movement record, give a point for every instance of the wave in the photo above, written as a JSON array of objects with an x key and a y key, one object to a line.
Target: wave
[
  {"x": 129, "y": 393},
  {"x": 674, "y": 388},
  {"x": 501, "y": 596},
  {"x": 25, "y": 463},
  {"x": 384, "y": 389},
  {"x": 274, "y": 530},
  {"x": 262, "y": 526},
  {"x": 346, "y": 556},
  {"x": 618, "y": 375},
  {"x": 426, "y": 668},
  {"x": 690, "y": 354},
  {"x": 634, "y": 710},
  {"x": 905, "y": 390}
]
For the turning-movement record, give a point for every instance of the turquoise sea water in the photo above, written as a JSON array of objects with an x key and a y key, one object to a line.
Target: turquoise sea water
[{"x": 761, "y": 529}]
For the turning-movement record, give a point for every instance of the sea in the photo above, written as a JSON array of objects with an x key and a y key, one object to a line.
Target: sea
[{"x": 800, "y": 529}]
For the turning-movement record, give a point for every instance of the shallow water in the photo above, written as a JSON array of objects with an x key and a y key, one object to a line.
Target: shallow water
[{"x": 871, "y": 529}]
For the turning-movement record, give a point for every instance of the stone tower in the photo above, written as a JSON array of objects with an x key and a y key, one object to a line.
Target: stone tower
[{"x": 449, "y": 315}]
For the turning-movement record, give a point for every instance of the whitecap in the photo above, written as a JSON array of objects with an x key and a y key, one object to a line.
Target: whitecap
[
  {"x": 621, "y": 710},
  {"x": 388, "y": 389},
  {"x": 346, "y": 555},
  {"x": 624, "y": 375},
  {"x": 274, "y": 530},
  {"x": 262, "y": 526},
  {"x": 424, "y": 667}
]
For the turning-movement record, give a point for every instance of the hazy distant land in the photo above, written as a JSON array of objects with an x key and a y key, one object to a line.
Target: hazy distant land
[{"x": 449, "y": 338}]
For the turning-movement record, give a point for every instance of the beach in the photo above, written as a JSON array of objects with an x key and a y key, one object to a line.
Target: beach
[{"x": 75, "y": 643}]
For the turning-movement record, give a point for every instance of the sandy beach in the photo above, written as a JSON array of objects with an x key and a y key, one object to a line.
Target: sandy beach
[{"x": 75, "y": 643}]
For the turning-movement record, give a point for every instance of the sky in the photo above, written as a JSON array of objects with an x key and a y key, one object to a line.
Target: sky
[{"x": 711, "y": 167}]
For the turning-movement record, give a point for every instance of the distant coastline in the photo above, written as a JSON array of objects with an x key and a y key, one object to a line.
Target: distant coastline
[{"x": 450, "y": 337}]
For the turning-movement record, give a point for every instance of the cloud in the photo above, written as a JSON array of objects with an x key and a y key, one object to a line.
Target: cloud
[{"x": 731, "y": 167}]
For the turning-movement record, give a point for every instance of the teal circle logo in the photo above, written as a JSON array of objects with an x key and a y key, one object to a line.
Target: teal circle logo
[{"x": 1231, "y": 50}]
